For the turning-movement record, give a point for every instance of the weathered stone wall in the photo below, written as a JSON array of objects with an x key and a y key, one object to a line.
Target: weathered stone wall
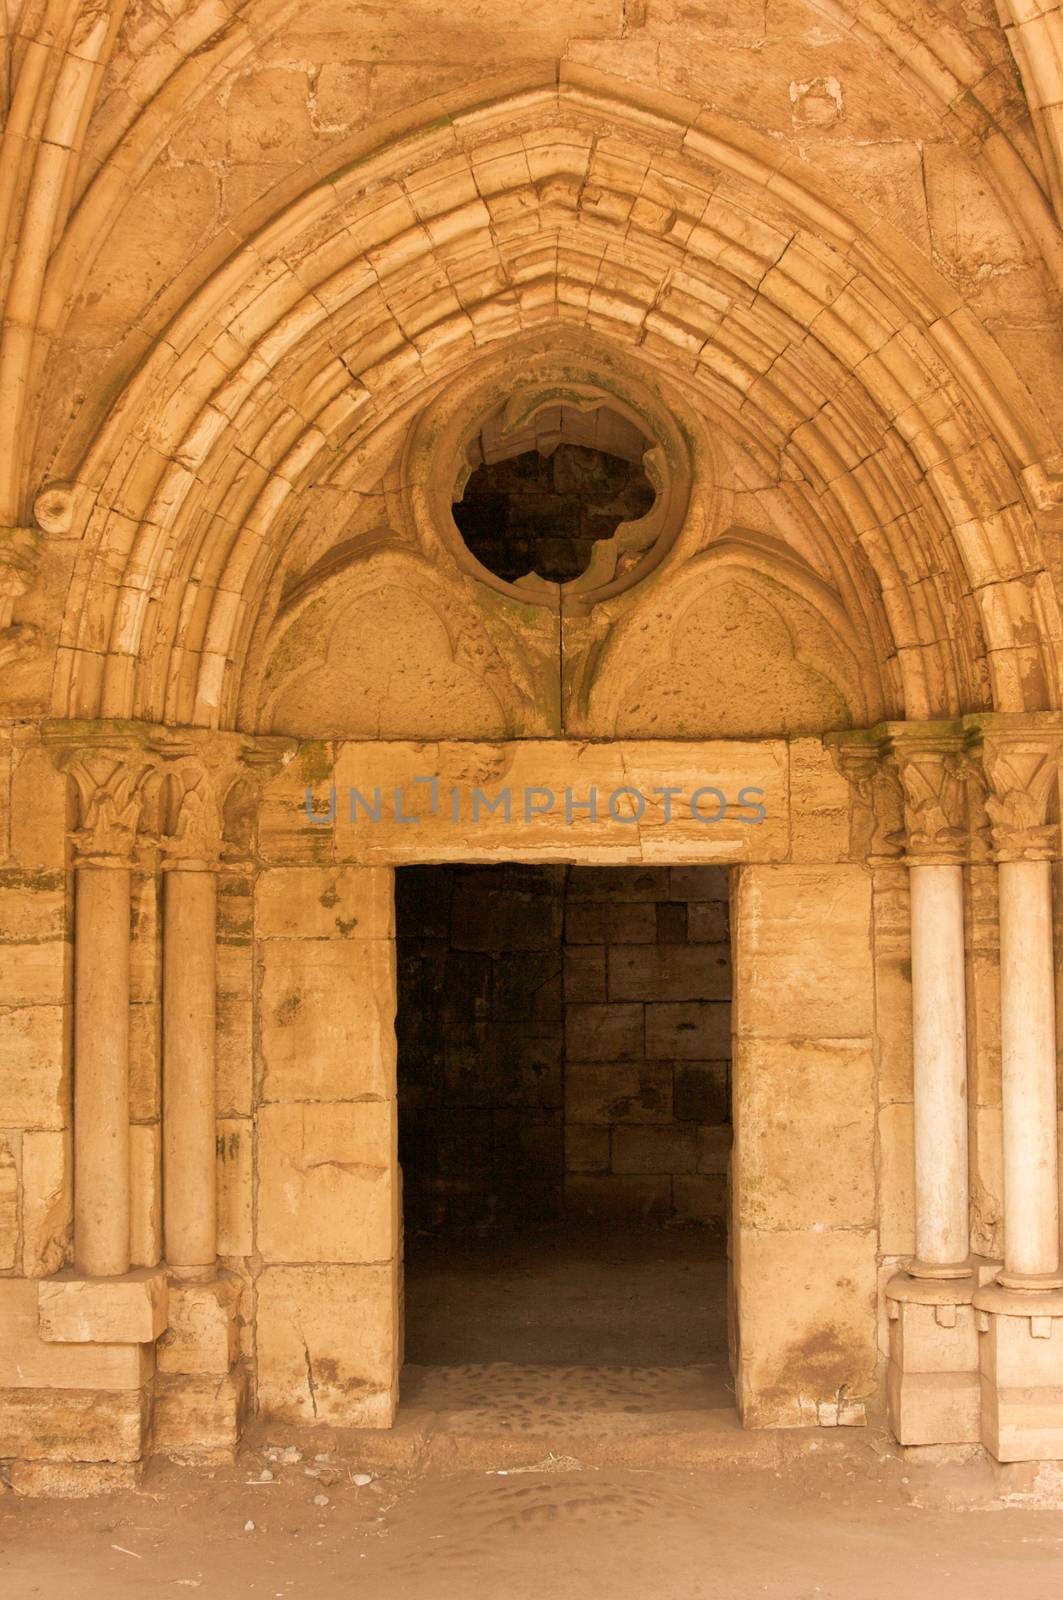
[
  {"x": 648, "y": 1042},
  {"x": 564, "y": 1042}
]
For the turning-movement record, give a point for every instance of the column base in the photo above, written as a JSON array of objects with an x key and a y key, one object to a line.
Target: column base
[
  {"x": 932, "y": 1385},
  {"x": 201, "y": 1391},
  {"x": 1020, "y": 1338},
  {"x": 75, "y": 1309}
]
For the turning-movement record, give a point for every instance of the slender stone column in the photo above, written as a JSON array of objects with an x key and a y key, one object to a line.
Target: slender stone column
[
  {"x": 1028, "y": 1061},
  {"x": 108, "y": 785},
  {"x": 928, "y": 763},
  {"x": 188, "y": 1040},
  {"x": 101, "y": 1071},
  {"x": 188, "y": 1139},
  {"x": 942, "y": 1225},
  {"x": 1020, "y": 757}
]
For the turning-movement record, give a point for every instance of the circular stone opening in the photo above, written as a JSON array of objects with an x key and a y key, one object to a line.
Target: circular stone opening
[{"x": 539, "y": 501}]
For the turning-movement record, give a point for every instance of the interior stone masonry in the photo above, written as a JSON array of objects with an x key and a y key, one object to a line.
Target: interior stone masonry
[{"x": 609, "y": 450}]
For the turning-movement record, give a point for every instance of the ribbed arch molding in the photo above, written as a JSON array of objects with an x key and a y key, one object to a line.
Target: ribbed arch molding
[{"x": 819, "y": 341}]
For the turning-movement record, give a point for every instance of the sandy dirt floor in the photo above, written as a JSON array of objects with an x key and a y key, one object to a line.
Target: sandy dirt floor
[
  {"x": 842, "y": 1526},
  {"x": 567, "y": 1432}
]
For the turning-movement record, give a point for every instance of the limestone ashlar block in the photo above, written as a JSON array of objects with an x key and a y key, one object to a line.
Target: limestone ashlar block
[
  {"x": 9, "y": 1198},
  {"x": 327, "y": 1018},
  {"x": 47, "y": 1201},
  {"x": 803, "y": 951},
  {"x": 933, "y": 1407},
  {"x": 325, "y": 903},
  {"x": 670, "y": 972},
  {"x": 73, "y": 1424},
  {"x": 198, "y": 1418},
  {"x": 604, "y": 1032},
  {"x": 646, "y": 1148},
  {"x": 36, "y": 974},
  {"x": 617, "y": 1091},
  {"x": 133, "y": 1309},
  {"x": 35, "y": 1077},
  {"x": 805, "y": 1134},
  {"x": 145, "y": 1186},
  {"x": 327, "y": 1344},
  {"x": 933, "y": 1339},
  {"x": 73, "y": 1480},
  {"x": 28, "y": 1361},
  {"x": 326, "y": 1182},
  {"x": 807, "y": 1311},
  {"x": 688, "y": 1030},
  {"x": 235, "y": 1191},
  {"x": 204, "y": 1328}
]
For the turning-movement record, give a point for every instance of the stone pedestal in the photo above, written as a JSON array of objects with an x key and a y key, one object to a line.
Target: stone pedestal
[
  {"x": 1020, "y": 1346},
  {"x": 932, "y": 1384}
]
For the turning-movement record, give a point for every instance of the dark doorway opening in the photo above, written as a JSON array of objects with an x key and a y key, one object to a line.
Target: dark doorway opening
[{"x": 564, "y": 1109}]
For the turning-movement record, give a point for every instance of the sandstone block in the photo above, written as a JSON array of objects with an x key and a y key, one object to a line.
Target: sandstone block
[
  {"x": 73, "y": 1480},
  {"x": 896, "y": 1180},
  {"x": 586, "y": 1149},
  {"x": 922, "y": 1340},
  {"x": 145, "y": 1183},
  {"x": 585, "y": 972},
  {"x": 73, "y": 1424},
  {"x": 805, "y": 1134},
  {"x": 28, "y": 1361},
  {"x": 708, "y": 922},
  {"x": 234, "y": 1056},
  {"x": 692, "y": 1030},
  {"x": 797, "y": 927},
  {"x": 648, "y": 1149},
  {"x": 617, "y": 1091},
  {"x": 806, "y": 1305},
  {"x": 47, "y": 1201},
  {"x": 603, "y": 1032},
  {"x": 327, "y": 1343},
  {"x": 327, "y": 1018},
  {"x": 35, "y": 1082},
  {"x": 326, "y": 1182},
  {"x": 198, "y": 1419},
  {"x": 204, "y": 1327},
  {"x": 702, "y": 1091},
  {"x": 700, "y": 883},
  {"x": 235, "y": 1186},
  {"x": 1023, "y": 1423},
  {"x": 325, "y": 903},
  {"x": 8, "y": 1202},
  {"x": 669, "y": 972},
  {"x": 129, "y": 1310},
  {"x": 933, "y": 1407},
  {"x": 35, "y": 974},
  {"x": 714, "y": 1148}
]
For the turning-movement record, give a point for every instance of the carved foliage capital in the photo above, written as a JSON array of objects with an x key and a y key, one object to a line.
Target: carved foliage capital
[
  {"x": 875, "y": 820},
  {"x": 933, "y": 773},
  {"x": 109, "y": 784},
  {"x": 1021, "y": 775}
]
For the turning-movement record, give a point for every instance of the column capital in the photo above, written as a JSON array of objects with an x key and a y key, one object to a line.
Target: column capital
[
  {"x": 876, "y": 820},
  {"x": 930, "y": 761},
  {"x": 109, "y": 776},
  {"x": 1019, "y": 762}
]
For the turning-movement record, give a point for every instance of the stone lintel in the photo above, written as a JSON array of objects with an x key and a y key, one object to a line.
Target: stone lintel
[{"x": 131, "y": 1309}]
